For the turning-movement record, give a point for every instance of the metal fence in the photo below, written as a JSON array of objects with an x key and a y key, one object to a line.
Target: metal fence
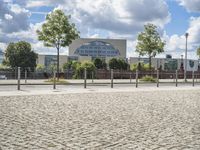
[{"x": 22, "y": 76}]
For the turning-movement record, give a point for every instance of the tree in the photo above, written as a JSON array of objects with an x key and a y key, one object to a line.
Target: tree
[
  {"x": 79, "y": 70},
  {"x": 40, "y": 68},
  {"x": 67, "y": 65},
  {"x": 198, "y": 52},
  {"x": 99, "y": 63},
  {"x": 123, "y": 65},
  {"x": 57, "y": 32},
  {"x": 20, "y": 55},
  {"x": 149, "y": 42},
  {"x": 113, "y": 63}
]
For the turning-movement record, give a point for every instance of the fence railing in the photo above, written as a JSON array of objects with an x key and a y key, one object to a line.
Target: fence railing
[{"x": 99, "y": 76}]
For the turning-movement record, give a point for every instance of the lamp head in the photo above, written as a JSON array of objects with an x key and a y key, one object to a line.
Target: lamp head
[{"x": 186, "y": 35}]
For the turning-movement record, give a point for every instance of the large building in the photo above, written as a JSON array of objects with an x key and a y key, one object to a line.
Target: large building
[
  {"x": 168, "y": 64},
  {"x": 48, "y": 60},
  {"x": 89, "y": 49},
  {"x": 1, "y": 57}
]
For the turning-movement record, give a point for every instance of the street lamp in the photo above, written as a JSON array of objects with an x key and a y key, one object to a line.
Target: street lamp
[{"x": 185, "y": 69}]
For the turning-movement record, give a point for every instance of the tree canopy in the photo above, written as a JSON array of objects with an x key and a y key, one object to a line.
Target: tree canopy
[
  {"x": 149, "y": 42},
  {"x": 20, "y": 54},
  {"x": 57, "y": 32},
  {"x": 99, "y": 63},
  {"x": 120, "y": 64}
]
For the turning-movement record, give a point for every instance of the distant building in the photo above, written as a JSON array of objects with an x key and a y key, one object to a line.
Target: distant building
[
  {"x": 48, "y": 60},
  {"x": 168, "y": 64},
  {"x": 89, "y": 49},
  {"x": 1, "y": 57}
]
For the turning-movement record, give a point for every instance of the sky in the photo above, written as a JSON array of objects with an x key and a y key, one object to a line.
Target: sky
[{"x": 118, "y": 19}]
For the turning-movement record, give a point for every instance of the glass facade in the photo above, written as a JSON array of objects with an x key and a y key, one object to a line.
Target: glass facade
[
  {"x": 1, "y": 56},
  {"x": 97, "y": 49},
  {"x": 50, "y": 60},
  {"x": 171, "y": 65}
]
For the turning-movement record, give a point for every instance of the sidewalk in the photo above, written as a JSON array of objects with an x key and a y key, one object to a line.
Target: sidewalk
[
  {"x": 81, "y": 81},
  {"x": 95, "y": 89}
]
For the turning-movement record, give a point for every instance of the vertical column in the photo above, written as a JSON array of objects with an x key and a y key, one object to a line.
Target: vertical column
[
  {"x": 193, "y": 78},
  {"x": 136, "y": 77},
  {"x": 92, "y": 76},
  {"x": 85, "y": 78},
  {"x": 18, "y": 77},
  {"x": 111, "y": 78},
  {"x": 176, "y": 78},
  {"x": 130, "y": 77},
  {"x": 25, "y": 76},
  {"x": 157, "y": 78},
  {"x": 54, "y": 80}
]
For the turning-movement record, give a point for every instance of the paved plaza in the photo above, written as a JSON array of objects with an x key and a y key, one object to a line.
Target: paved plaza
[{"x": 142, "y": 119}]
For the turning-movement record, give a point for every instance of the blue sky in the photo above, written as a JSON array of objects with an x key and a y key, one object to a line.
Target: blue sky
[{"x": 19, "y": 19}]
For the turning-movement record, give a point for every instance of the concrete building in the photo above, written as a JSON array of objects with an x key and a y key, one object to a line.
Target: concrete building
[
  {"x": 168, "y": 64},
  {"x": 89, "y": 49},
  {"x": 1, "y": 57},
  {"x": 48, "y": 60}
]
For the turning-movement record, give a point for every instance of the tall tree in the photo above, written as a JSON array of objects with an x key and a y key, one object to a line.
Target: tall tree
[
  {"x": 149, "y": 42},
  {"x": 198, "y": 52},
  {"x": 20, "y": 55},
  {"x": 113, "y": 63},
  {"x": 99, "y": 63},
  {"x": 57, "y": 32}
]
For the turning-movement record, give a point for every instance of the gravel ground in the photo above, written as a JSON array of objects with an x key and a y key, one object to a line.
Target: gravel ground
[{"x": 156, "y": 120}]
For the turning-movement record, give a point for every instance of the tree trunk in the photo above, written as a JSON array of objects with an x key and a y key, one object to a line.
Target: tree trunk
[
  {"x": 58, "y": 60},
  {"x": 149, "y": 62}
]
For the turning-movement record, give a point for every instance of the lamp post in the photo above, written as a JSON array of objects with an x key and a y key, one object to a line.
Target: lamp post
[
  {"x": 181, "y": 67},
  {"x": 185, "y": 69}
]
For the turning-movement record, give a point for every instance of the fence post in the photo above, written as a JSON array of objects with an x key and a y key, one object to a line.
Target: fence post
[
  {"x": 111, "y": 76},
  {"x": 18, "y": 77},
  {"x": 157, "y": 78},
  {"x": 176, "y": 78},
  {"x": 25, "y": 76},
  {"x": 130, "y": 77},
  {"x": 92, "y": 76},
  {"x": 192, "y": 78},
  {"x": 54, "y": 80},
  {"x": 136, "y": 77},
  {"x": 85, "y": 78}
]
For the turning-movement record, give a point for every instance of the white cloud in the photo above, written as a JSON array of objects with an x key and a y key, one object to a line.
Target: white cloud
[
  {"x": 121, "y": 16},
  {"x": 176, "y": 44},
  {"x": 13, "y": 18},
  {"x": 99, "y": 18},
  {"x": 190, "y": 5},
  {"x": 8, "y": 17}
]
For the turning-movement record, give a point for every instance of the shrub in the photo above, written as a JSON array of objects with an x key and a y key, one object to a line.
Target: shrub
[
  {"x": 148, "y": 79},
  {"x": 141, "y": 66},
  {"x": 40, "y": 68},
  {"x": 79, "y": 71}
]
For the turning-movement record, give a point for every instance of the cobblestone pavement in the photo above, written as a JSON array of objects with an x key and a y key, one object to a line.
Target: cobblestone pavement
[{"x": 155, "y": 120}]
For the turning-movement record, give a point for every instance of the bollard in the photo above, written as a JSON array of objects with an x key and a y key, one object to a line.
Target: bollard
[
  {"x": 25, "y": 76},
  {"x": 111, "y": 76},
  {"x": 196, "y": 78},
  {"x": 85, "y": 78},
  {"x": 157, "y": 78},
  {"x": 18, "y": 77},
  {"x": 54, "y": 80},
  {"x": 193, "y": 78},
  {"x": 136, "y": 77},
  {"x": 130, "y": 77},
  {"x": 176, "y": 78},
  {"x": 92, "y": 77}
]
